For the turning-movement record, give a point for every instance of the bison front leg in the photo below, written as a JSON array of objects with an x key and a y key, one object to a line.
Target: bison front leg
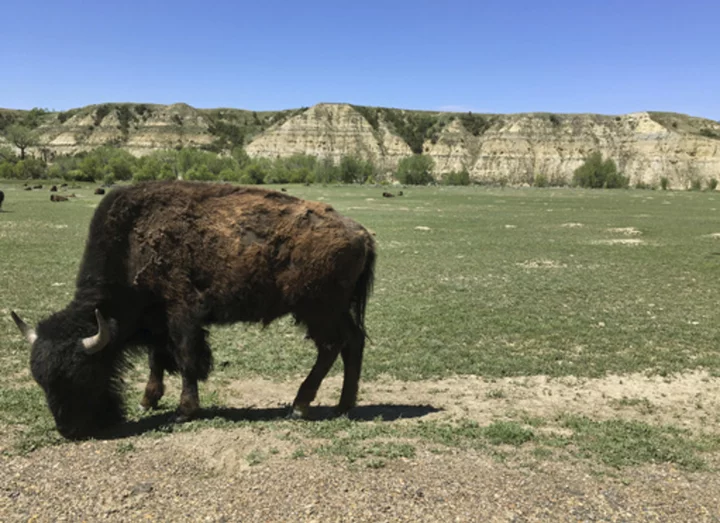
[
  {"x": 155, "y": 387},
  {"x": 194, "y": 361}
]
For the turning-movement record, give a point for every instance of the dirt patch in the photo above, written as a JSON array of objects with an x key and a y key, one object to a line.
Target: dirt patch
[
  {"x": 689, "y": 400},
  {"x": 622, "y": 241},
  {"x": 572, "y": 225},
  {"x": 627, "y": 231},
  {"x": 541, "y": 264}
]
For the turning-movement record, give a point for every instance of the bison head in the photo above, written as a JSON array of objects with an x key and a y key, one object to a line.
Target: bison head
[{"x": 76, "y": 374}]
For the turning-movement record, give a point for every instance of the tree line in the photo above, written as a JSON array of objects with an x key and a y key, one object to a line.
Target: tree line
[{"x": 110, "y": 164}]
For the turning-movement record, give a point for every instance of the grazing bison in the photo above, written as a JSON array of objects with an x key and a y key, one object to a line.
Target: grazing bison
[
  {"x": 165, "y": 259},
  {"x": 37, "y": 186},
  {"x": 99, "y": 190},
  {"x": 28, "y": 188},
  {"x": 53, "y": 188},
  {"x": 388, "y": 195},
  {"x": 57, "y": 198}
]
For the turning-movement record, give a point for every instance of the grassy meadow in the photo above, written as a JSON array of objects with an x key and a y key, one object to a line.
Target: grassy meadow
[{"x": 469, "y": 281}]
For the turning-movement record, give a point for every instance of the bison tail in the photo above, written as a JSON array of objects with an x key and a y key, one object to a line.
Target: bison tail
[{"x": 363, "y": 289}]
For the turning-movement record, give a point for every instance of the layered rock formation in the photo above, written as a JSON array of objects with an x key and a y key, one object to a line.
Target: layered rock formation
[{"x": 511, "y": 148}]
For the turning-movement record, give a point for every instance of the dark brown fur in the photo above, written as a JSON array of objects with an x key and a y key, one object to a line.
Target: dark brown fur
[
  {"x": 57, "y": 198},
  {"x": 163, "y": 260},
  {"x": 99, "y": 190}
]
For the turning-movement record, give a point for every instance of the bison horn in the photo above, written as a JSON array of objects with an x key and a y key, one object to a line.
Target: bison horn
[
  {"x": 98, "y": 342},
  {"x": 26, "y": 331}
]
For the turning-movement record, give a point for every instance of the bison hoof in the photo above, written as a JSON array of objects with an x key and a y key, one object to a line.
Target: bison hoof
[
  {"x": 183, "y": 418},
  {"x": 299, "y": 412}
]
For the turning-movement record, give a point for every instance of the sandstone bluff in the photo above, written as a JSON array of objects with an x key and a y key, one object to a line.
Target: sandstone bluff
[{"x": 492, "y": 147}]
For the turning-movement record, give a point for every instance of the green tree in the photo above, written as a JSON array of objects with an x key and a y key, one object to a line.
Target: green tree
[
  {"x": 596, "y": 173},
  {"x": 415, "y": 170},
  {"x": 355, "y": 170},
  {"x": 21, "y": 137},
  {"x": 256, "y": 171}
]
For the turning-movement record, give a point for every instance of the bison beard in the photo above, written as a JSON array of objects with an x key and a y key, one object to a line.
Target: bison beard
[{"x": 164, "y": 260}]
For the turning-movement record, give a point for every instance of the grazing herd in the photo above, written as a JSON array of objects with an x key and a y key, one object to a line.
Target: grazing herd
[
  {"x": 164, "y": 260},
  {"x": 54, "y": 189}
]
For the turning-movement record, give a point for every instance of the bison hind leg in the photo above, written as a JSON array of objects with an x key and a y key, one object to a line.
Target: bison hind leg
[{"x": 333, "y": 334}]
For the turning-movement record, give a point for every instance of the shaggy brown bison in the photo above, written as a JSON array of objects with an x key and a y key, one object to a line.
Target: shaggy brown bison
[
  {"x": 57, "y": 198},
  {"x": 53, "y": 188},
  {"x": 165, "y": 259},
  {"x": 388, "y": 195},
  {"x": 99, "y": 190}
]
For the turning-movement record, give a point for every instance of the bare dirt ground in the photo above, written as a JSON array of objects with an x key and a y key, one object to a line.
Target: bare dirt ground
[{"x": 205, "y": 475}]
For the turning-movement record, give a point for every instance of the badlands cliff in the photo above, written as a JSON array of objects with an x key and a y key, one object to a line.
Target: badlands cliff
[{"x": 492, "y": 147}]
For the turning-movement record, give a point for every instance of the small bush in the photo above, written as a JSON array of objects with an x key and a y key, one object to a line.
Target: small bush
[
  {"x": 456, "y": 178},
  {"x": 541, "y": 181},
  {"x": 695, "y": 184},
  {"x": 596, "y": 173},
  {"x": 712, "y": 184},
  {"x": 100, "y": 113},
  {"x": 415, "y": 170},
  {"x": 664, "y": 183}
]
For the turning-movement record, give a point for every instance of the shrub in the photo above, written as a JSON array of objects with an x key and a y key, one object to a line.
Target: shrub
[
  {"x": 100, "y": 113},
  {"x": 475, "y": 124},
  {"x": 415, "y": 170},
  {"x": 326, "y": 171},
  {"x": 461, "y": 177},
  {"x": 596, "y": 173},
  {"x": 355, "y": 170},
  {"x": 200, "y": 173},
  {"x": 255, "y": 172},
  {"x": 695, "y": 184},
  {"x": 7, "y": 170},
  {"x": 664, "y": 183},
  {"x": 541, "y": 181},
  {"x": 712, "y": 184},
  {"x": 30, "y": 167}
]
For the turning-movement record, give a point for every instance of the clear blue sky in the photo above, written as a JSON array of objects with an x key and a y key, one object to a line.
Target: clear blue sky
[{"x": 603, "y": 56}]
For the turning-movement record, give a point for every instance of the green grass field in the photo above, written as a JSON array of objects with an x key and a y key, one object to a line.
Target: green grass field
[{"x": 490, "y": 282}]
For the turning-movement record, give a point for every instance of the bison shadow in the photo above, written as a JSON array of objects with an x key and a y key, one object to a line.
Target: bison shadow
[{"x": 165, "y": 421}]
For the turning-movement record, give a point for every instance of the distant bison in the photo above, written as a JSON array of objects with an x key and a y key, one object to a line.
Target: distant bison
[
  {"x": 37, "y": 186},
  {"x": 53, "y": 188},
  {"x": 165, "y": 259},
  {"x": 400, "y": 193},
  {"x": 2, "y": 199},
  {"x": 28, "y": 188},
  {"x": 57, "y": 198},
  {"x": 388, "y": 195},
  {"x": 99, "y": 190}
]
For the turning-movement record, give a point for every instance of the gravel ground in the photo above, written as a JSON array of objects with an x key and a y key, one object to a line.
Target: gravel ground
[
  {"x": 163, "y": 481},
  {"x": 205, "y": 475}
]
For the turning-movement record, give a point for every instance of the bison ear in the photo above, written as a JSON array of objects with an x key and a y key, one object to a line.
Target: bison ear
[
  {"x": 26, "y": 331},
  {"x": 98, "y": 342}
]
